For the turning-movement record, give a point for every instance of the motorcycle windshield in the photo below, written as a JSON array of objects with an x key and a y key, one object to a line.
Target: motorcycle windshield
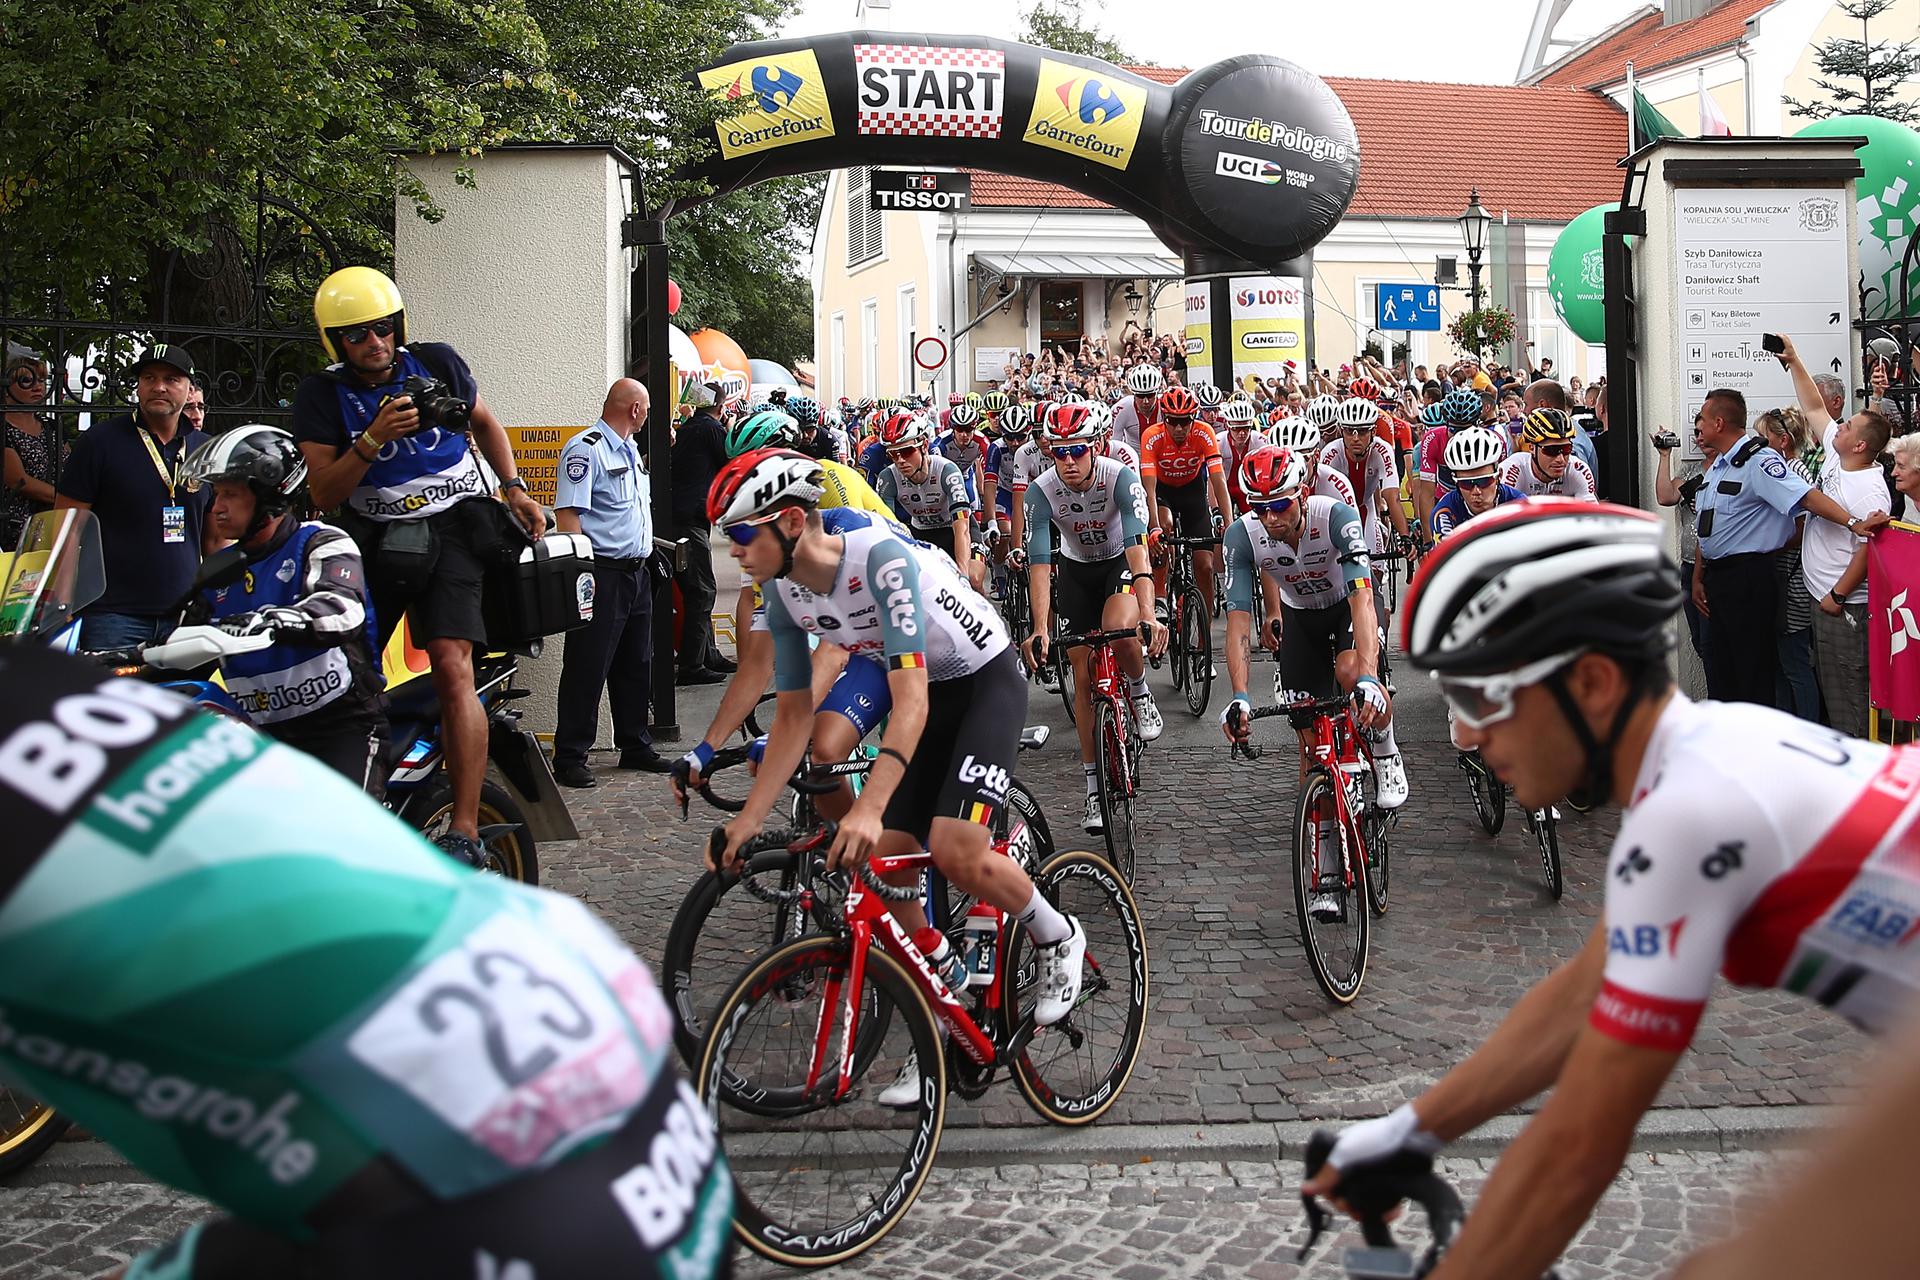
[{"x": 55, "y": 572}]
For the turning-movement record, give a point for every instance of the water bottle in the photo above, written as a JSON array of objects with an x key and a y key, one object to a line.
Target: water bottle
[
  {"x": 940, "y": 954},
  {"x": 982, "y": 933}
]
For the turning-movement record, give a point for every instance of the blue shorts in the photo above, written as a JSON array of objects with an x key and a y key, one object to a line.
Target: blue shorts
[
  {"x": 1003, "y": 499},
  {"x": 860, "y": 694}
]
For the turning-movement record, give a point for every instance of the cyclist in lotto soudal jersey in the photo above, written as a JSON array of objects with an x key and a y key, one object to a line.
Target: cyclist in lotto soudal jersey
[
  {"x": 232, "y": 965},
  {"x": 1365, "y": 460},
  {"x": 1315, "y": 552},
  {"x": 947, "y": 755},
  {"x": 1105, "y": 583},
  {"x": 1474, "y": 456},
  {"x": 926, "y": 491},
  {"x": 1239, "y": 440},
  {"x": 1550, "y": 465}
]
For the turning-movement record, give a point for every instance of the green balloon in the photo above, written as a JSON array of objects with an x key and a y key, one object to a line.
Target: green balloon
[
  {"x": 1888, "y": 196},
  {"x": 1574, "y": 276}
]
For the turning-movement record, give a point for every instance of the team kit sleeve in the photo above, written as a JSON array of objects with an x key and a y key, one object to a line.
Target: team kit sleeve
[
  {"x": 1210, "y": 443},
  {"x": 1583, "y": 484},
  {"x": 1132, "y": 497},
  {"x": 888, "y": 490},
  {"x": 893, "y": 576},
  {"x": 955, "y": 483},
  {"x": 1150, "y": 453},
  {"x": 792, "y": 655},
  {"x": 1350, "y": 537},
  {"x": 1241, "y": 574},
  {"x": 1432, "y": 445},
  {"x": 1038, "y": 533},
  {"x": 1510, "y": 471}
]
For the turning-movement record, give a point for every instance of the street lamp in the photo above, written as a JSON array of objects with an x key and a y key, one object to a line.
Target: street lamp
[
  {"x": 1134, "y": 298},
  {"x": 1473, "y": 229}
]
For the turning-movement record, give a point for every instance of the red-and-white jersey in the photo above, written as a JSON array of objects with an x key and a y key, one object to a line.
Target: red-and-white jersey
[
  {"x": 1328, "y": 483},
  {"x": 1371, "y": 476},
  {"x": 1771, "y": 850},
  {"x": 1575, "y": 482},
  {"x": 1231, "y": 458}
]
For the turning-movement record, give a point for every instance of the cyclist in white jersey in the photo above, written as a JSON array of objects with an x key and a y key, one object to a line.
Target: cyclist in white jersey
[
  {"x": 1136, "y": 413},
  {"x": 959, "y": 700},
  {"x": 1301, "y": 438},
  {"x": 1105, "y": 581},
  {"x": 927, "y": 492},
  {"x": 1316, "y": 554},
  {"x": 1754, "y": 844},
  {"x": 1550, "y": 466},
  {"x": 1238, "y": 440},
  {"x": 1112, "y": 444},
  {"x": 1365, "y": 461}
]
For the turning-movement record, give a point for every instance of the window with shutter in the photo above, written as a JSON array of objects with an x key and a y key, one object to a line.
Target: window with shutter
[{"x": 865, "y": 228}]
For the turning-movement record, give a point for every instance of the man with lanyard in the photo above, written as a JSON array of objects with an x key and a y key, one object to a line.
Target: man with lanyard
[
  {"x": 926, "y": 492},
  {"x": 1365, "y": 460},
  {"x": 1548, "y": 466},
  {"x": 1105, "y": 581},
  {"x": 1753, "y": 845},
  {"x": 152, "y": 531},
  {"x": 1180, "y": 469},
  {"x": 1240, "y": 441},
  {"x": 604, "y": 492},
  {"x": 1474, "y": 457},
  {"x": 1314, "y": 550},
  {"x": 1140, "y": 411},
  {"x": 416, "y": 493},
  {"x": 959, "y": 701},
  {"x": 318, "y": 686}
]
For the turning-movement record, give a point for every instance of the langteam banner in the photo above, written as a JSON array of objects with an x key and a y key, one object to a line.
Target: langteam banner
[
  {"x": 1269, "y": 325},
  {"x": 1199, "y": 331},
  {"x": 1242, "y": 166}
]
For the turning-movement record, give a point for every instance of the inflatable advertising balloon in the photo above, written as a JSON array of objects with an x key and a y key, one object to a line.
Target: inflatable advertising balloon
[
  {"x": 1888, "y": 200},
  {"x": 1575, "y": 277},
  {"x": 1242, "y": 166},
  {"x": 717, "y": 349}
]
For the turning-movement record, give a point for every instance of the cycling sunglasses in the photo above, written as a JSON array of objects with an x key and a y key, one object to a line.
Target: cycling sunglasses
[
  {"x": 1478, "y": 701},
  {"x": 1279, "y": 506},
  {"x": 358, "y": 334},
  {"x": 1473, "y": 482},
  {"x": 1553, "y": 450},
  {"x": 1172, "y": 420},
  {"x": 1066, "y": 451},
  {"x": 1356, "y": 431},
  {"x": 904, "y": 451},
  {"x": 746, "y": 531}
]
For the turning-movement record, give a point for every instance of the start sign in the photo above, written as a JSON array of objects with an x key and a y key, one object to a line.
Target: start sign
[{"x": 889, "y": 191}]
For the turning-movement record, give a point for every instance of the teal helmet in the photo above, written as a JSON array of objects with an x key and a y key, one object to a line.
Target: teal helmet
[{"x": 767, "y": 429}]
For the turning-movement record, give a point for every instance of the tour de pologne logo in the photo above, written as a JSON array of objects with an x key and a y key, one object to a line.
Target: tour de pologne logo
[
  {"x": 1819, "y": 213},
  {"x": 1593, "y": 271}
]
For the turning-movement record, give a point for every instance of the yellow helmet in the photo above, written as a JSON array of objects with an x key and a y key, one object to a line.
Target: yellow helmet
[{"x": 357, "y": 295}]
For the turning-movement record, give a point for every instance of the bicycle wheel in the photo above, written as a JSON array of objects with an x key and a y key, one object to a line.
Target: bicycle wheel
[
  {"x": 28, "y": 1127},
  {"x": 1386, "y": 662},
  {"x": 1074, "y": 1070},
  {"x": 1199, "y": 647},
  {"x": 1336, "y": 946},
  {"x": 1178, "y": 607},
  {"x": 1546, "y": 833},
  {"x": 1376, "y": 829},
  {"x": 1030, "y": 838},
  {"x": 1114, "y": 778},
  {"x": 822, "y": 1184},
  {"x": 1489, "y": 797}
]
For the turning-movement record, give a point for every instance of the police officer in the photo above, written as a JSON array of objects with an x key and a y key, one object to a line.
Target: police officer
[
  {"x": 604, "y": 494},
  {"x": 1748, "y": 505}
]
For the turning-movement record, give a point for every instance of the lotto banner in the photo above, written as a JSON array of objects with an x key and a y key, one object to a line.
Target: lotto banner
[
  {"x": 1269, "y": 325},
  {"x": 1893, "y": 634},
  {"x": 1199, "y": 331}
]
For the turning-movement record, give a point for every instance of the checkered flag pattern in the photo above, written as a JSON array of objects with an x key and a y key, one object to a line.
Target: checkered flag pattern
[{"x": 934, "y": 66}]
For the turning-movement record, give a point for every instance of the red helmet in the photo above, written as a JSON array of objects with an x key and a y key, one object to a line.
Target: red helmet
[
  {"x": 1270, "y": 473},
  {"x": 902, "y": 430},
  {"x": 954, "y": 397},
  {"x": 1364, "y": 389},
  {"x": 1070, "y": 423},
  {"x": 1178, "y": 402},
  {"x": 756, "y": 484}
]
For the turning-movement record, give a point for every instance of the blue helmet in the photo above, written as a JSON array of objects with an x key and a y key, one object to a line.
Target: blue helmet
[
  {"x": 1431, "y": 416},
  {"x": 804, "y": 410},
  {"x": 1460, "y": 407}
]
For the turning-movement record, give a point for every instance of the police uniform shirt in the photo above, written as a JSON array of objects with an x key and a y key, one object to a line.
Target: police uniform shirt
[
  {"x": 1748, "y": 502},
  {"x": 601, "y": 479}
]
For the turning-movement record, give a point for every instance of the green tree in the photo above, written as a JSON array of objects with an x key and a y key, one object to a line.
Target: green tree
[
  {"x": 739, "y": 264},
  {"x": 1879, "y": 67},
  {"x": 1063, "y": 25}
]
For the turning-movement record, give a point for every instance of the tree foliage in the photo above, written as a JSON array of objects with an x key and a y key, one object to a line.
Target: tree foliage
[
  {"x": 1880, "y": 68},
  {"x": 1063, "y": 25}
]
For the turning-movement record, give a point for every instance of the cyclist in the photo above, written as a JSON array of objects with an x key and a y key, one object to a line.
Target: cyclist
[
  {"x": 1014, "y": 424},
  {"x": 273, "y": 998},
  {"x": 1210, "y": 398},
  {"x": 811, "y": 435},
  {"x": 1474, "y": 457},
  {"x": 318, "y": 686},
  {"x": 1105, "y": 582},
  {"x": 963, "y": 445},
  {"x": 1323, "y": 411},
  {"x": 1549, "y": 465},
  {"x": 1365, "y": 460},
  {"x": 1753, "y": 844},
  {"x": 926, "y": 492},
  {"x": 1301, "y": 438},
  {"x": 1186, "y": 487},
  {"x": 1433, "y": 477},
  {"x": 1314, "y": 549},
  {"x": 1240, "y": 440},
  {"x": 959, "y": 700},
  {"x": 992, "y": 405},
  {"x": 1138, "y": 412}
]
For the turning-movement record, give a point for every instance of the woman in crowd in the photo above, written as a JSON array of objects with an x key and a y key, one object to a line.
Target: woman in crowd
[{"x": 31, "y": 442}]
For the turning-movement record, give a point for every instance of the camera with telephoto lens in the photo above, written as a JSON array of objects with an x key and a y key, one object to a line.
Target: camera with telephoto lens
[{"x": 437, "y": 405}]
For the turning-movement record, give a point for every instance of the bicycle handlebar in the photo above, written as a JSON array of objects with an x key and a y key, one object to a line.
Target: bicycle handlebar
[
  {"x": 1373, "y": 1190},
  {"x": 1297, "y": 710},
  {"x": 1192, "y": 542},
  {"x": 1089, "y": 639}
]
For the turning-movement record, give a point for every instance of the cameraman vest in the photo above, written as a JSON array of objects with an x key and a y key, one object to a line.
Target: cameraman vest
[
  {"x": 284, "y": 681},
  {"x": 416, "y": 475}
]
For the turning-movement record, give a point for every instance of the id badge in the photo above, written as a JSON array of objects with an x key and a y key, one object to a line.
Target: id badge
[{"x": 173, "y": 524}]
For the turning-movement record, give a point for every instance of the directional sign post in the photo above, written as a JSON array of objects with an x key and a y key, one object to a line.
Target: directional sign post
[{"x": 1408, "y": 307}]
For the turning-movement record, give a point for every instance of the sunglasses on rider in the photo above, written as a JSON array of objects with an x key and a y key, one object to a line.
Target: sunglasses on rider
[
  {"x": 904, "y": 451},
  {"x": 746, "y": 531},
  {"x": 1553, "y": 450},
  {"x": 1279, "y": 506},
  {"x": 1478, "y": 701},
  {"x": 1473, "y": 482},
  {"x": 358, "y": 333},
  {"x": 1175, "y": 420},
  {"x": 1066, "y": 451},
  {"x": 1356, "y": 431}
]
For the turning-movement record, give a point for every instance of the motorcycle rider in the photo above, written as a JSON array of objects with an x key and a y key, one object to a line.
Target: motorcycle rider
[{"x": 318, "y": 687}]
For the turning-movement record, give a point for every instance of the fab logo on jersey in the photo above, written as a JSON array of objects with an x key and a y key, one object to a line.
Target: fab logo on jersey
[
  {"x": 781, "y": 97},
  {"x": 1086, "y": 113}
]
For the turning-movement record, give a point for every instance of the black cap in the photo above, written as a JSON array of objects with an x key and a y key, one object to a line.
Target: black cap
[{"x": 174, "y": 357}]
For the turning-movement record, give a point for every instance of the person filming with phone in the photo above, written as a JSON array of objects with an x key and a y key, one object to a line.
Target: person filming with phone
[{"x": 393, "y": 433}]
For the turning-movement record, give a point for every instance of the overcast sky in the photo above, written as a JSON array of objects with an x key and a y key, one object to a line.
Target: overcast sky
[{"x": 1477, "y": 41}]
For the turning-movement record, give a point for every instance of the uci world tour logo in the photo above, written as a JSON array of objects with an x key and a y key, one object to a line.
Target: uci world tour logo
[
  {"x": 1090, "y": 114},
  {"x": 778, "y": 99}
]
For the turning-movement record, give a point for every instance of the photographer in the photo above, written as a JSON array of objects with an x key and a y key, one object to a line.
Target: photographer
[{"x": 391, "y": 432}]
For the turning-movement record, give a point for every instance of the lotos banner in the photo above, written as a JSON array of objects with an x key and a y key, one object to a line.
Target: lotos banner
[
  {"x": 1269, "y": 324},
  {"x": 1242, "y": 166},
  {"x": 1199, "y": 331},
  {"x": 1893, "y": 631}
]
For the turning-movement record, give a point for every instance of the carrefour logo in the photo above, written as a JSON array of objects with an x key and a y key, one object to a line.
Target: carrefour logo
[
  {"x": 778, "y": 100},
  {"x": 1094, "y": 116}
]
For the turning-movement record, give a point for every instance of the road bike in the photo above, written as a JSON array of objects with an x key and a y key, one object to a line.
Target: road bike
[
  {"x": 811, "y": 1032},
  {"x": 1490, "y": 806},
  {"x": 28, "y": 1128},
  {"x": 1116, "y": 736},
  {"x": 1338, "y": 806},
  {"x": 1386, "y": 579},
  {"x": 717, "y": 929},
  {"x": 1190, "y": 626}
]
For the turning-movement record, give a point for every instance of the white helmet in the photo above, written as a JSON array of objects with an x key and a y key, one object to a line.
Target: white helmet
[
  {"x": 1102, "y": 415},
  {"x": 1471, "y": 447},
  {"x": 1144, "y": 380},
  {"x": 1208, "y": 395},
  {"x": 1356, "y": 412},
  {"x": 758, "y": 483},
  {"x": 1239, "y": 413},
  {"x": 904, "y": 430},
  {"x": 1323, "y": 411},
  {"x": 1295, "y": 433}
]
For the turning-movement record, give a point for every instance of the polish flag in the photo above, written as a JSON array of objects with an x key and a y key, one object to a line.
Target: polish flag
[{"x": 1712, "y": 123}]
